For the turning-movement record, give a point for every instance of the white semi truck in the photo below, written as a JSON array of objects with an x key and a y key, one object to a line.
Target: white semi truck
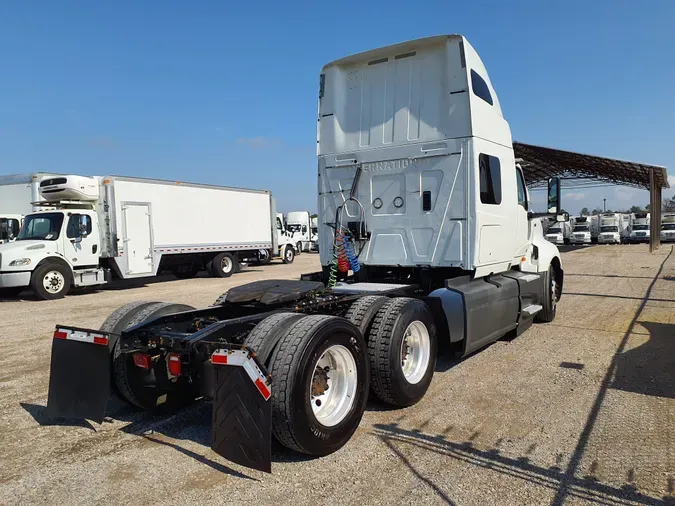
[
  {"x": 611, "y": 229},
  {"x": 97, "y": 228},
  {"x": 425, "y": 227},
  {"x": 299, "y": 223},
  {"x": 559, "y": 232},
  {"x": 639, "y": 229}
]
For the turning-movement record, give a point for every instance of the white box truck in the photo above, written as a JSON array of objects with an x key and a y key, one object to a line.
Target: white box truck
[
  {"x": 304, "y": 229},
  {"x": 639, "y": 228},
  {"x": 582, "y": 230},
  {"x": 123, "y": 227},
  {"x": 17, "y": 192},
  {"x": 667, "y": 227},
  {"x": 559, "y": 232},
  {"x": 611, "y": 228}
]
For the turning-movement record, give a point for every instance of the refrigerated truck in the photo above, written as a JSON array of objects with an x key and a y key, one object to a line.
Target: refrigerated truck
[
  {"x": 559, "y": 233},
  {"x": 581, "y": 230},
  {"x": 667, "y": 227},
  {"x": 611, "y": 229},
  {"x": 17, "y": 192},
  {"x": 639, "y": 229},
  {"x": 98, "y": 228}
]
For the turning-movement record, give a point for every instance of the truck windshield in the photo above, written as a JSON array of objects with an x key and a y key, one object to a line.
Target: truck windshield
[
  {"x": 609, "y": 229},
  {"x": 581, "y": 228},
  {"x": 294, "y": 228},
  {"x": 668, "y": 226},
  {"x": 45, "y": 226},
  {"x": 640, "y": 227},
  {"x": 553, "y": 230}
]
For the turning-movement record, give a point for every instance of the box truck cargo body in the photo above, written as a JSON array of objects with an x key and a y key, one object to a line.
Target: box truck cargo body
[
  {"x": 103, "y": 227},
  {"x": 17, "y": 192}
]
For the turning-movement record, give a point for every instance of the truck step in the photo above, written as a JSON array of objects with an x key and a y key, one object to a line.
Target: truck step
[{"x": 532, "y": 309}]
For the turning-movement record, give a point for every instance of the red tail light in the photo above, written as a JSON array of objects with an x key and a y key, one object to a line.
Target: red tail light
[
  {"x": 142, "y": 360},
  {"x": 173, "y": 364}
]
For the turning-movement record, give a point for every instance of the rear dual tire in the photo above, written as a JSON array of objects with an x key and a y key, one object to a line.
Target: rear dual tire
[
  {"x": 223, "y": 265},
  {"x": 319, "y": 365},
  {"x": 131, "y": 383}
]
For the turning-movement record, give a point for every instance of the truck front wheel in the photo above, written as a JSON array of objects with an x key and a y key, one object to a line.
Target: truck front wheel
[
  {"x": 402, "y": 346},
  {"x": 320, "y": 386},
  {"x": 289, "y": 254},
  {"x": 50, "y": 281},
  {"x": 549, "y": 300}
]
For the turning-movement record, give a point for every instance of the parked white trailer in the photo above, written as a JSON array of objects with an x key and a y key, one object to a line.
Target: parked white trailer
[
  {"x": 639, "y": 229},
  {"x": 126, "y": 227},
  {"x": 299, "y": 223}
]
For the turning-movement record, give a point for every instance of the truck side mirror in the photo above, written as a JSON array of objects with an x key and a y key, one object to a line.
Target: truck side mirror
[
  {"x": 553, "y": 206},
  {"x": 83, "y": 226}
]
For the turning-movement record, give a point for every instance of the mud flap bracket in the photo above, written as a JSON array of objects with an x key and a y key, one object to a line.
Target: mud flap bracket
[{"x": 242, "y": 411}]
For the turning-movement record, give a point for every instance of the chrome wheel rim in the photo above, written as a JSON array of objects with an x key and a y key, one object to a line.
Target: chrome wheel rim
[
  {"x": 554, "y": 286},
  {"x": 333, "y": 386},
  {"x": 53, "y": 282},
  {"x": 226, "y": 264},
  {"x": 289, "y": 254},
  {"x": 415, "y": 352}
]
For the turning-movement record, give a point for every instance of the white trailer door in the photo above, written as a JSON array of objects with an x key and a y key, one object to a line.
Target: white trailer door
[{"x": 138, "y": 238}]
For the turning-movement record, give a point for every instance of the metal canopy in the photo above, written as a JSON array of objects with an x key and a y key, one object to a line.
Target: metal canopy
[{"x": 540, "y": 163}]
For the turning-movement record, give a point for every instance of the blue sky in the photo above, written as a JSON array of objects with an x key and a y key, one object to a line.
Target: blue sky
[{"x": 225, "y": 92}]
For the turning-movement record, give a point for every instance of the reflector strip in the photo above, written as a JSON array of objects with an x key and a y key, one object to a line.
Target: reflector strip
[
  {"x": 81, "y": 335},
  {"x": 242, "y": 359},
  {"x": 266, "y": 392}
]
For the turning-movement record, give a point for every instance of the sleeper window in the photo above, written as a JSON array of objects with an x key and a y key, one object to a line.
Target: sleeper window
[{"x": 490, "y": 179}]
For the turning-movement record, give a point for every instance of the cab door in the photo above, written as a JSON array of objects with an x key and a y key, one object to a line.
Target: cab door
[
  {"x": 522, "y": 222},
  {"x": 82, "y": 240}
]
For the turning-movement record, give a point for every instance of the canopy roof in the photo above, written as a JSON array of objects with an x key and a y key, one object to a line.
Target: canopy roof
[{"x": 540, "y": 163}]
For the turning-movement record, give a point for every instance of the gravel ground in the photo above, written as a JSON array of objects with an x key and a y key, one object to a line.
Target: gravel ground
[{"x": 581, "y": 410}]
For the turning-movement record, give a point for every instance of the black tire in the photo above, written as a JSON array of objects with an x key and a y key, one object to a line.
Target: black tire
[
  {"x": 185, "y": 271},
  {"x": 37, "y": 286},
  {"x": 548, "y": 299},
  {"x": 135, "y": 384},
  {"x": 388, "y": 381},
  {"x": 362, "y": 312},
  {"x": 293, "y": 366},
  {"x": 289, "y": 254},
  {"x": 224, "y": 265},
  {"x": 267, "y": 334}
]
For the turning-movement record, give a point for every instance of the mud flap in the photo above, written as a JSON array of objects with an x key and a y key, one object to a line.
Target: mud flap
[
  {"x": 79, "y": 380},
  {"x": 242, "y": 412}
]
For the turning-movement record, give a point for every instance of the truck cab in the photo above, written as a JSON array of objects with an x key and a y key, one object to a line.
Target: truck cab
[
  {"x": 299, "y": 223},
  {"x": 57, "y": 247}
]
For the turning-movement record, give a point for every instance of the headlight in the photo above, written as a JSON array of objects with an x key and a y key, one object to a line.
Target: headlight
[{"x": 19, "y": 262}]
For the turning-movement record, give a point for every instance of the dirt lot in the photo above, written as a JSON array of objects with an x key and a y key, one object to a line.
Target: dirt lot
[{"x": 581, "y": 410}]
